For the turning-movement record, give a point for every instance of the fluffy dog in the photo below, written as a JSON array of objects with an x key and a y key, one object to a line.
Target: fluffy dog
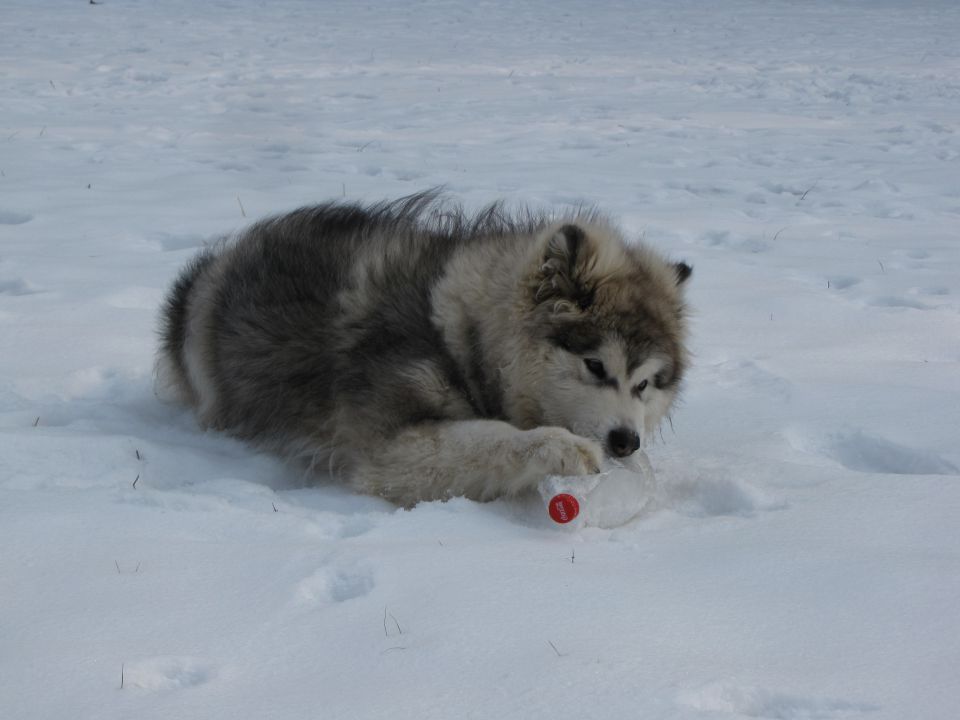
[{"x": 424, "y": 353}]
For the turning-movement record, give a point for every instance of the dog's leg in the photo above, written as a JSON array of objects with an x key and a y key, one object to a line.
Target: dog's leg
[{"x": 478, "y": 459}]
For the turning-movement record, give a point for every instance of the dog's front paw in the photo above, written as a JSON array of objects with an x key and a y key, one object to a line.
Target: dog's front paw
[{"x": 556, "y": 451}]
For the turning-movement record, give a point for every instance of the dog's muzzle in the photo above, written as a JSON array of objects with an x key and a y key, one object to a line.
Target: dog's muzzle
[{"x": 622, "y": 442}]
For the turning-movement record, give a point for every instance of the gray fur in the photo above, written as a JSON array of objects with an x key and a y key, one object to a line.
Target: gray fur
[{"x": 424, "y": 352}]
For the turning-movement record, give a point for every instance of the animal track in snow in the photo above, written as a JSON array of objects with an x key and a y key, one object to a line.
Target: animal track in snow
[
  {"x": 748, "y": 376},
  {"x": 744, "y": 701},
  {"x": 8, "y": 217},
  {"x": 716, "y": 496},
  {"x": 893, "y": 301},
  {"x": 347, "y": 585},
  {"x": 335, "y": 584},
  {"x": 865, "y": 453},
  {"x": 166, "y": 672},
  {"x": 16, "y": 286},
  {"x": 842, "y": 282},
  {"x": 711, "y": 490}
]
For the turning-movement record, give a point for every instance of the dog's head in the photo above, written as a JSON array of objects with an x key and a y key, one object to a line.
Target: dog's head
[{"x": 613, "y": 318}]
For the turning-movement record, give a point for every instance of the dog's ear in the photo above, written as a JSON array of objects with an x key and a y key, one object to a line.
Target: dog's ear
[
  {"x": 683, "y": 272},
  {"x": 561, "y": 274}
]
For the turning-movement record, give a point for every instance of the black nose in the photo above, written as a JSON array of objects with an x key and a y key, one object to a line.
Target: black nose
[{"x": 623, "y": 441}]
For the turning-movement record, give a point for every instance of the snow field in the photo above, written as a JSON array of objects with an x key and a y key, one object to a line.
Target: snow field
[{"x": 800, "y": 557}]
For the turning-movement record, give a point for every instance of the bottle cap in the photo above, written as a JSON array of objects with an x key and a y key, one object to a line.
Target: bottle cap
[{"x": 563, "y": 508}]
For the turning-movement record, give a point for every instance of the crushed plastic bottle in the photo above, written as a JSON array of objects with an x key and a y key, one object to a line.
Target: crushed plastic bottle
[{"x": 608, "y": 499}]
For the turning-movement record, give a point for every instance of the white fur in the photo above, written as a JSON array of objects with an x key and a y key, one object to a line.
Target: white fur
[
  {"x": 479, "y": 459},
  {"x": 195, "y": 348}
]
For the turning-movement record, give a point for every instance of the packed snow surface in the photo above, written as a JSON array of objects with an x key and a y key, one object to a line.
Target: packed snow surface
[{"x": 800, "y": 557}]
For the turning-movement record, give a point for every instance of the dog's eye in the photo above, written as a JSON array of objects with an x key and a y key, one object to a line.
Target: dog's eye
[
  {"x": 639, "y": 388},
  {"x": 596, "y": 368}
]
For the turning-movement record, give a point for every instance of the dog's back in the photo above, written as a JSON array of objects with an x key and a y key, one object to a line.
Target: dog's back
[{"x": 267, "y": 333}]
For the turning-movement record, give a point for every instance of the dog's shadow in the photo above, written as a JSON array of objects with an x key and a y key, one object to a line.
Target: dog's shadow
[{"x": 120, "y": 434}]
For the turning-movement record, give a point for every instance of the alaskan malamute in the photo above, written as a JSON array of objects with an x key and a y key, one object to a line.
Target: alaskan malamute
[{"x": 424, "y": 353}]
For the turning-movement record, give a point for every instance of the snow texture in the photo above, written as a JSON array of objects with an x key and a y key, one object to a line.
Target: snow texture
[{"x": 801, "y": 556}]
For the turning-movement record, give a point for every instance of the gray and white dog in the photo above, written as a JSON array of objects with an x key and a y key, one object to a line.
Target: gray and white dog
[{"x": 423, "y": 352}]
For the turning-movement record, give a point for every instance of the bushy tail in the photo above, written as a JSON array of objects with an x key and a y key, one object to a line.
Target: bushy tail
[{"x": 172, "y": 381}]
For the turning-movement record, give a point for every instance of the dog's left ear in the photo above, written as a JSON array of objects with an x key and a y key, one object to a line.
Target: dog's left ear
[
  {"x": 562, "y": 268},
  {"x": 683, "y": 271}
]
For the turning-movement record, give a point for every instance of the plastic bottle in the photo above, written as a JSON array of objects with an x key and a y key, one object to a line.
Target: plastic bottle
[{"x": 608, "y": 499}]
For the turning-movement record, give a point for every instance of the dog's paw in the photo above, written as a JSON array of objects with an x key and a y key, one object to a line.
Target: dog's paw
[{"x": 555, "y": 451}]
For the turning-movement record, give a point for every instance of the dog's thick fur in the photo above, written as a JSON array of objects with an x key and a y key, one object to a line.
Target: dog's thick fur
[{"x": 425, "y": 353}]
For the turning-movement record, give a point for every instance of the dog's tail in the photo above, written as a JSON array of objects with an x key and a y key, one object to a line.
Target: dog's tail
[{"x": 172, "y": 380}]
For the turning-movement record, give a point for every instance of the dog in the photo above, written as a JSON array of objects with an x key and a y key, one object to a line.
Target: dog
[{"x": 422, "y": 352}]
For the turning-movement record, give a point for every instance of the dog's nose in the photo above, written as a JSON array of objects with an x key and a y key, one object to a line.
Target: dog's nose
[{"x": 623, "y": 441}]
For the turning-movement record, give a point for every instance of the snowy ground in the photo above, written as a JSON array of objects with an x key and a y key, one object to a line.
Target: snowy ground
[{"x": 802, "y": 555}]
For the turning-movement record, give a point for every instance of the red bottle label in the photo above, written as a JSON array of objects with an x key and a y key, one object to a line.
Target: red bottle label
[{"x": 563, "y": 508}]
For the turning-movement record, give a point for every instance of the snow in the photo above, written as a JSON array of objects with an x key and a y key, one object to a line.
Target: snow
[{"x": 800, "y": 557}]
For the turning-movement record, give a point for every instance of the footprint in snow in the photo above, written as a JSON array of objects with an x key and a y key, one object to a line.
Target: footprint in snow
[
  {"x": 866, "y": 453},
  {"x": 752, "y": 702},
  {"x": 711, "y": 491},
  {"x": 8, "y": 217},
  {"x": 335, "y": 584},
  {"x": 895, "y": 301},
  {"x": 746, "y": 375},
  {"x": 842, "y": 282},
  {"x": 166, "y": 672},
  {"x": 859, "y": 451},
  {"x": 706, "y": 495},
  {"x": 17, "y": 286}
]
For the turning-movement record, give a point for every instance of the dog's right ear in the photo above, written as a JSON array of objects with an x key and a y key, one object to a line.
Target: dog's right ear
[
  {"x": 683, "y": 272},
  {"x": 562, "y": 266}
]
